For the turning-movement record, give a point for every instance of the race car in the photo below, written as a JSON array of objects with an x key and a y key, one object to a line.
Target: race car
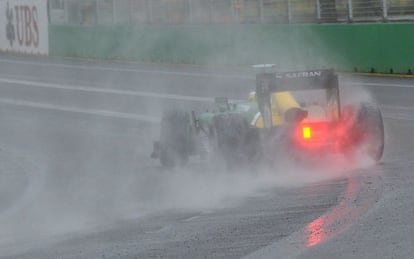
[{"x": 290, "y": 115}]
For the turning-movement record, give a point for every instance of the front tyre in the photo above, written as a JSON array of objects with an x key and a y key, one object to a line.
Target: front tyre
[{"x": 176, "y": 139}]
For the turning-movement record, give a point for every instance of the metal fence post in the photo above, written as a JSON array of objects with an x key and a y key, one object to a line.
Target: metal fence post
[
  {"x": 384, "y": 10},
  {"x": 289, "y": 11},
  {"x": 114, "y": 10},
  {"x": 130, "y": 11},
  {"x": 190, "y": 11},
  {"x": 149, "y": 11},
  {"x": 167, "y": 11},
  {"x": 350, "y": 11},
  {"x": 318, "y": 10},
  {"x": 235, "y": 10},
  {"x": 260, "y": 3},
  {"x": 97, "y": 19},
  {"x": 210, "y": 10}
]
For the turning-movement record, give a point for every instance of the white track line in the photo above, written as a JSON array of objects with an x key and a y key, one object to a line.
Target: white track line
[
  {"x": 122, "y": 115},
  {"x": 134, "y": 70},
  {"x": 92, "y": 89},
  {"x": 165, "y": 72},
  {"x": 378, "y": 84},
  {"x": 104, "y": 113}
]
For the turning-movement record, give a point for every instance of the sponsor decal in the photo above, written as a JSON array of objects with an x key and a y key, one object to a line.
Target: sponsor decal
[
  {"x": 10, "y": 26},
  {"x": 25, "y": 26},
  {"x": 303, "y": 74},
  {"x": 26, "y": 23}
]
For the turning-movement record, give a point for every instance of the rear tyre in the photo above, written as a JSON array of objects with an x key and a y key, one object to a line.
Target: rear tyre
[
  {"x": 176, "y": 138},
  {"x": 231, "y": 139},
  {"x": 369, "y": 128}
]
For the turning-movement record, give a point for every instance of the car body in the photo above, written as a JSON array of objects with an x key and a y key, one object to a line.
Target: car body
[{"x": 291, "y": 114}]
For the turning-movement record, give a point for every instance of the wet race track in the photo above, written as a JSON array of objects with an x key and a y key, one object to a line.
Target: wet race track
[{"x": 77, "y": 180}]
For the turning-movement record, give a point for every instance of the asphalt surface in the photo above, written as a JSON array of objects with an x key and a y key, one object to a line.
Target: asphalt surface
[{"x": 77, "y": 180}]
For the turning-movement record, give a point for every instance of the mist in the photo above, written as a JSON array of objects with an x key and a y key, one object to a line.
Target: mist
[
  {"x": 89, "y": 172},
  {"x": 80, "y": 172}
]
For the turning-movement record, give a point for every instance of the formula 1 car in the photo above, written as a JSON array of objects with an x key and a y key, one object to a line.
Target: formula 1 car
[{"x": 295, "y": 115}]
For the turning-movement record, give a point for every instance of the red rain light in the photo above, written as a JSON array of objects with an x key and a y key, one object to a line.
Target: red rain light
[
  {"x": 313, "y": 135},
  {"x": 307, "y": 132}
]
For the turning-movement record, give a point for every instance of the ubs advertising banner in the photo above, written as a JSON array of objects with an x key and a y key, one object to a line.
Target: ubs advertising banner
[{"x": 24, "y": 26}]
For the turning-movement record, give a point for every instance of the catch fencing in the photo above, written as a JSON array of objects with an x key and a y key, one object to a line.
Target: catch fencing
[{"x": 89, "y": 12}]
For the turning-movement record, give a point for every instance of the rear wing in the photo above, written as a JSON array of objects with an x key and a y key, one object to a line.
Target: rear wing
[
  {"x": 294, "y": 81},
  {"x": 268, "y": 83}
]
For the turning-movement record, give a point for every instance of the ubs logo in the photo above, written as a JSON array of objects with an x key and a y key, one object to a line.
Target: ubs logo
[
  {"x": 22, "y": 25},
  {"x": 11, "y": 36}
]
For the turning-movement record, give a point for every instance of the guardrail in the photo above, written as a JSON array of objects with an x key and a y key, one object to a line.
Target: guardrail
[{"x": 227, "y": 11}]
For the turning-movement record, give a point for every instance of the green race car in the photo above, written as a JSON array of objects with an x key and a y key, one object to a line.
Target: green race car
[{"x": 295, "y": 115}]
